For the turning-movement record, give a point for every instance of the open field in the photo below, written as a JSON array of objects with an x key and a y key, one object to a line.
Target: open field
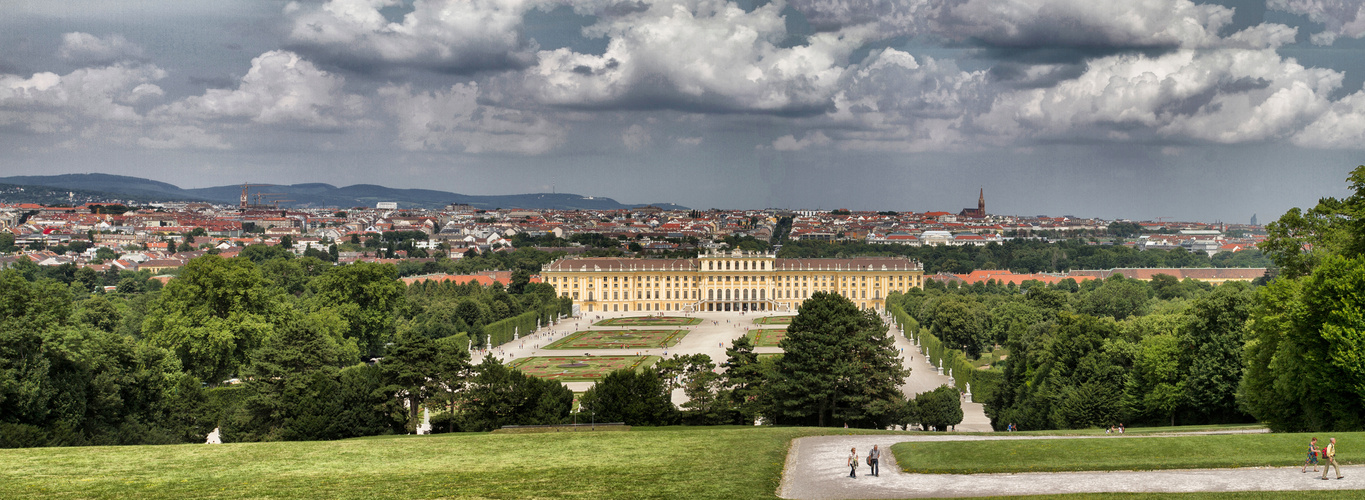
[
  {"x": 1119, "y": 453},
  {"x": 619, "y": 339},
  {"x": 766, "y": 337},
  {"x": 579, "y": 368},
  {"x": 774, "y": 320},
  {"x": 650, "y": 321},
  {"x": 739, "y": 462}
]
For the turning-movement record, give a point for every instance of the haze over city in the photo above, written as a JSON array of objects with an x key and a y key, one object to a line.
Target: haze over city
[{"x": 1168, "y": 108}]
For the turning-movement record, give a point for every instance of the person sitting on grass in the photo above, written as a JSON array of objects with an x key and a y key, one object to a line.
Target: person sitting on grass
[{"x": 1312, "y": 456}]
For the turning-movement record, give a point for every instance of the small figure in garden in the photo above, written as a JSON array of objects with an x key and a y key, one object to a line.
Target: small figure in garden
[
  {"x": 1312, "y": 456},
  {"x": 1120, "y": 427},
  {"x": 1329, "y": 459},
  {"x": 853, "y": 462},
  {"x": 872, "y": 458}
]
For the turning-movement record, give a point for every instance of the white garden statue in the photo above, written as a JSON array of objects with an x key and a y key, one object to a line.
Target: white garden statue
[{"x": 214, "y": 437}]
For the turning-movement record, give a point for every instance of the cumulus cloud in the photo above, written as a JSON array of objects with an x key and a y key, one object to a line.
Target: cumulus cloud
[
  {"x": 1342, "y": 126},
  {"x": 1082, "y": 23},
  {"x": 1341, "y": 17},
  {"x": 280, "y": 88},
  {"x": 90, "y": 49},
  {"x": 791, "y": 143},
  {"x": 181, "y": 137},
  {"x": 454, "y": 120},
  {"x": 47, "y": 102},
  {"x": 1224, "y": 96},
  {"x": 891, "y": 17},
  {"x": 635, "y": 137},
  {"x": 457, "y": 36},
  {"x": 697, "y": 55}
]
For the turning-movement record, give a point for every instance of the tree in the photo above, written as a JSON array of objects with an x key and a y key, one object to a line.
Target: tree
[
  {"x": 1118, "y": 298},
  {"x": 499, "y": 395},
  {"x": 837, "y": 361},
  {"x": 290, "y": 385},
  {"x": 961, "y": 322},
  {"x": 1212, "y": 345},
  {"x": 939, "y": 408},
  {"x": 744, "y": 379},
  {"x": 213, "y": 315},
  {"x": 635, "y": 398},
  {"x": 367, "y": 296}
]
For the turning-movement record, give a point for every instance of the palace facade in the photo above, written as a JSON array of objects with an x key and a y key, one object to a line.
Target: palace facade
[{"x": 727, "y": 281}]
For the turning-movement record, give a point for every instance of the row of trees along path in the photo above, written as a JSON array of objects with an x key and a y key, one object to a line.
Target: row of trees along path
[{"x": 924, "y": 377}]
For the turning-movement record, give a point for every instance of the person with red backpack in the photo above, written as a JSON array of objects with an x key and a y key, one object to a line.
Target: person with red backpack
[{"x": 1329, "y": 459}]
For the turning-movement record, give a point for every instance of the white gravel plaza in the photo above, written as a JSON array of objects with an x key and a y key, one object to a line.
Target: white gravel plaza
[{"x": 815, "y": 470}]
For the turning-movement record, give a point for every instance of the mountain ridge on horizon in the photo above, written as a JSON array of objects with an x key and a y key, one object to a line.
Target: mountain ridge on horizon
[{"x": 319, "y": 194}]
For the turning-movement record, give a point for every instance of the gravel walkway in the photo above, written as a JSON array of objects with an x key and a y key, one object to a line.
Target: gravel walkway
[{"x": 815, "y": 470}]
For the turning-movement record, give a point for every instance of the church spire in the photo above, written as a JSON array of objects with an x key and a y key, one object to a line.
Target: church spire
[{"x": 981, "y": 202}]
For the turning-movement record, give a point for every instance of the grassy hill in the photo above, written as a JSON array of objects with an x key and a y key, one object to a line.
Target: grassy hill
[{"x": 738, "y": 462}]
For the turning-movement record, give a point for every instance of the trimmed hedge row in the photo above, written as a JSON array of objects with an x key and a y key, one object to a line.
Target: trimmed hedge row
[
  {"x": 502, "y": 332},
  {"x": 983, "y": 382}
]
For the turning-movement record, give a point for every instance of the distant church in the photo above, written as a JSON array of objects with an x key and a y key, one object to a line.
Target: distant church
[{"x": 980, "y": 211}]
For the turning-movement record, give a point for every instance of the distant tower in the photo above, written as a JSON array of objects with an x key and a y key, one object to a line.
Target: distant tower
[
  {"x": 981, "y": 203},
  {"x": 1253, "y": 220}
]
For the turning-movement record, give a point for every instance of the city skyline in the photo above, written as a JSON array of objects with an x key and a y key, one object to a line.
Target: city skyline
[{"x": 1171, "y": 108}]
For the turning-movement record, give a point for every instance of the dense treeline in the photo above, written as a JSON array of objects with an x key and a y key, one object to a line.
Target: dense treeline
[
  {"x": 1102, "y": 352},
  {"x": 1026, "y": 256},
  {"x": 1306, "y": 349},
  {"x": 144, "y": 364}
]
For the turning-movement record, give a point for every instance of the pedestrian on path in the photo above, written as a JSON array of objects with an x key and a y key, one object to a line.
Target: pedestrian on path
[
  {"x": 1329, "y": 459},
  {"x": 1312, "y": 456},
  {"x": 853, "y": 463},
  {"x": 873, "y": 457}
]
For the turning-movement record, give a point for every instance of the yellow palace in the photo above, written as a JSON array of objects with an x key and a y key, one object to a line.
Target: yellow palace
[{"x": 727, "y": 281}]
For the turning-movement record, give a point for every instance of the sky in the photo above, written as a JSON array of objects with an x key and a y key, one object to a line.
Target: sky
[{"x": 1133, "y": 109}]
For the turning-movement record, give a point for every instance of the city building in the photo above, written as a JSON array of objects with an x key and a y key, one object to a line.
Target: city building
[{"x": 727, "y": 281}]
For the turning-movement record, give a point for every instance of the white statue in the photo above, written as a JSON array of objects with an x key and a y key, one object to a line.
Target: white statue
[{"x": 214, "y": 437}]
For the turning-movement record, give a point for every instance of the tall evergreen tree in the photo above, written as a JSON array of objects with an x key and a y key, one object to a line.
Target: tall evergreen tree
[{"x": 837, "y": 361}]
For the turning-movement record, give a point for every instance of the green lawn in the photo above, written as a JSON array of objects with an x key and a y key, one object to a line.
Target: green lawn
[
  {"x": 697, "y": 462},
  {"x": 1119, "y": 453},
  {"x": 650, "y": 321},
  {"x": 774, "y": 320},
  {"x": 766, "y": 337},
  {"x": 619, "y": 339}
]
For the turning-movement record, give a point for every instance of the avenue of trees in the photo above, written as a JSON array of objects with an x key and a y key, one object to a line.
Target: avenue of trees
[
  {"x": 1098, "y": 353},
  {"x": 1025, "y": 256}
]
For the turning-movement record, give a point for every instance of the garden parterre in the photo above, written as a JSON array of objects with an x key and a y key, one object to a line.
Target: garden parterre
[
  {"x": 619, "y": 339},
  {"x": 579, "y": 368}
]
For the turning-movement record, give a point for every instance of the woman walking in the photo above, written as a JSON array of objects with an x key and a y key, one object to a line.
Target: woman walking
[
  {"x": 1312, "y": 456},
  {"x": 853, "y": 462}
]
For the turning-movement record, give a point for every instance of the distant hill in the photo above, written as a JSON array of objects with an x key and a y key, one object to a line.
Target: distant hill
[
  {"x": 63, "y": 196},
  {"x": 316, "y": 194}
]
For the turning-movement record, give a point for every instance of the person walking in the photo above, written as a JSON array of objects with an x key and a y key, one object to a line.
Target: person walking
[
  {"x": 853, "y": 462},
  {"x": 873, "y": 457},
  {"x": 1312, "y": 456},
  {"x": 1329, "y": 459}
]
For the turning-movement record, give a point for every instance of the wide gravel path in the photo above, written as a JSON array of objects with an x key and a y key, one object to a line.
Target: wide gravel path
[{"x": 815, "y": 470}]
